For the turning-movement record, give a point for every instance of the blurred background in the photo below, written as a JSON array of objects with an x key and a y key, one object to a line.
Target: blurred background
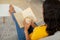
[{"x": 8, "y": 29}]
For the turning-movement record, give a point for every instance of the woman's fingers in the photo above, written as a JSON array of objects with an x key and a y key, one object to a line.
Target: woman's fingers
[{"x": 26, "y": 25}]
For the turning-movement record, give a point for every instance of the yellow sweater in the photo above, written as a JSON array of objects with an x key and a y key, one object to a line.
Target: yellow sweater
[{"x": 38, "y": 32}]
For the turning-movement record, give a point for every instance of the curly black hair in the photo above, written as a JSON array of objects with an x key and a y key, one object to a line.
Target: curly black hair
[{"x": 51, "y": 14}]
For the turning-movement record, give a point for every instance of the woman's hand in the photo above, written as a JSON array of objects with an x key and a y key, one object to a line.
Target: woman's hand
[
  {"x": 33, "y": 24},
  {"x": 26, "y": 25}
]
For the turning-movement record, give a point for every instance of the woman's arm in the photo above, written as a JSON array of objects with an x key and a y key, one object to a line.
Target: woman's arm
[
  {"x": 27, "y": 35},
  {"x": 26, "y": 27}
]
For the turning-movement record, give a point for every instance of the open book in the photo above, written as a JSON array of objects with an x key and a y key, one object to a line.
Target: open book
[{"x": 26, "y": 13}]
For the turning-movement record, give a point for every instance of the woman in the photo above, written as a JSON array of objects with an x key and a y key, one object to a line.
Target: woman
[
  {"x": 20, "y": 31},
  {"x": 51, "y": 14}
]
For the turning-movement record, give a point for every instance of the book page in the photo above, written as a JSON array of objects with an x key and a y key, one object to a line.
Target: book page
[
  {"x": 26, "y": 13},
  {"x": 29, "y": 13},
  {"x": 19, "y": 19}
]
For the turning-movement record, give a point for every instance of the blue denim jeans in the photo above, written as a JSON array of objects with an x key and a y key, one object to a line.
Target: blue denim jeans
[{"x": 20, "y": 31}]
